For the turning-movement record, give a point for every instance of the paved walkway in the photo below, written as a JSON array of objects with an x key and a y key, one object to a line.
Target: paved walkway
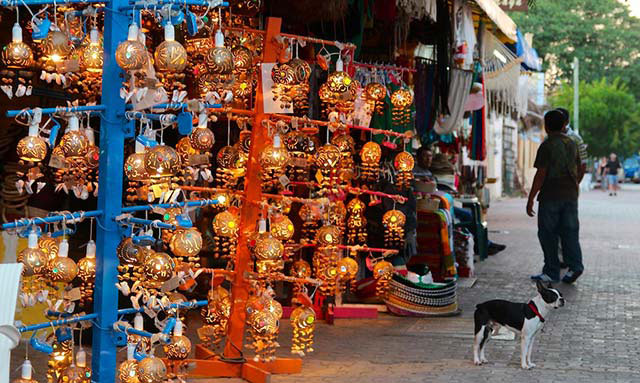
[{"x": 595, "y": 338}]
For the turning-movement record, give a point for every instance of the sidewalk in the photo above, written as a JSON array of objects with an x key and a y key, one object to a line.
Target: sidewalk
[{"x": 595, "y": 338}]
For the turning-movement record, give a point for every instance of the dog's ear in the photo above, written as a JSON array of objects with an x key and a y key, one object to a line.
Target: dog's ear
[{"x": 540, "y": 286}]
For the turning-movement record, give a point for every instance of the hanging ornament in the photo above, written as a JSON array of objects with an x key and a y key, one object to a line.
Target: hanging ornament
[
  {"x": 170, "y": 55},
  {"x": 269, "y": 253},
  {"x": 370, "y": 155},
  {"x": 301, "y": 89},
  {"x": 151, "y": 370},
  {"x": 131, "y": 53},
  {"x": 284, "y": 78},
  {"x": 17, "y": 54},
  {"x": 136, "y": 172},
  {"x": 339, "y": 92},
  {"x": 401, "y": 101},
  {"x": 393, "y": 221},
  {"x": 92, "y": 58},
  {"x": 131, "y": 257},
  {"x": 327, "y": 161},
  {"x": 273, "y": 162},
  {"x": 297, "y": 144},
  {"x": 62, "y": 355},
  {"x": 33, "y": 259},
  {"x": 74, "y": 143},
  {"x": 337, "y": 215},
  {"x": 179, "y": 346},
  {"x": 128, "y": 370},
  {"x": 347, "y": 146},
  {"x": 225, "y": 229},
  {"x": 49, "y": 247},
  {"x": 347, "y": 271},
  {"x": 216, "y": 316},
  {"x": 263, "y": 320},
  {"x": 55, "y": 48},
  {"x": 282, "y": 228},
  {"x": 87, "y": 273},
  {"x": 303, "y": 320},
  {"x": 325, "y": 260},
  {"x": 202, "y": 137},
  {"x": 227, "y": 158},
  {"x": 404, "y": 163},
  {"x": 186, "y": 244},
  {"x": 310, "y": 216},
  {"x": 383, "y": 273},
  {"x": 63, "y": 268},
  {"x": 375, "y": 93},
  {"x": 158, "y": 268},
  {"x": 220, "y": 59},
  {"x": 356, "y": 222},
  {"x": 161, "y": 161}
]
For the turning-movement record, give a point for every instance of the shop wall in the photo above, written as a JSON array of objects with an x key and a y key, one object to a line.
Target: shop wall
[{"x": 528, "y": 143}]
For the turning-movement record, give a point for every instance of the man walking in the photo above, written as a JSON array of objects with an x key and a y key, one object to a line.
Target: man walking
[{"x": 559, "y": 170}]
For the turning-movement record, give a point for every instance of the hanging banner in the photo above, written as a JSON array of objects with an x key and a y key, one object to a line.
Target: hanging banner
[{"x": 514, "y": 5}]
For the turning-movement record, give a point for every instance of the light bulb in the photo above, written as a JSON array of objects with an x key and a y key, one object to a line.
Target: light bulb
[
  {"x": 138, "y": 322},
  {"x": 33, "y": 259},
  {"x": 92, "y": 57},
  {"x": 170, "y": 55},
  {"x": 17, "y": 54},
  {"x": 131, "y": 53},
  {"x": 219, "y": 59},
  {"x": 32, "y": 148}
]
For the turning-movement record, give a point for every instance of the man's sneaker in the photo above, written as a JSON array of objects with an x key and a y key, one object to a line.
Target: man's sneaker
[
  {"x": 571, "y": 276},
  {"x": 544, "y": 278}
]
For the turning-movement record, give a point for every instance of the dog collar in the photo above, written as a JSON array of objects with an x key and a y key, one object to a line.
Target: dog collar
[{"x": 534, "y": 308}]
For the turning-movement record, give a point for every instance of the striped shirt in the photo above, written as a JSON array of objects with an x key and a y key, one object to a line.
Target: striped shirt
[{"x": 582, "y": 147}]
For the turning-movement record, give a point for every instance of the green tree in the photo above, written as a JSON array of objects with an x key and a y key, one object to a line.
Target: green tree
[
  {"x": 609, "y": 117},
  {"x": 600, "y": 33}
]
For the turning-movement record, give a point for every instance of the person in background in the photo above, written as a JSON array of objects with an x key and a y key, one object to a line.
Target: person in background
[
  {"x": 602, "y": 173},
  {"x": 556, "y": 187},
  {"x": 612, "y": 167},
  {"x": 575, "y": 136},
  {"x": 422, "y": 172}
]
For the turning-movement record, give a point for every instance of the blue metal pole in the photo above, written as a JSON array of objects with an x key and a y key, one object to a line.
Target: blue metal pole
[
  {"x": 186, "y": 305},
  {"x": 59, "y": 322},
  {"x": 176, "y": 106},
  {"x": 61, "y": 109},
  {"x": 203, "y": 202},
  {"x": 179, "y": 3},
  {"x": 140, "y": 221},
  {"x": 13, "y": 3},
  {"x": 103, "y": 357},
  {"x": 50, "y": 219}
]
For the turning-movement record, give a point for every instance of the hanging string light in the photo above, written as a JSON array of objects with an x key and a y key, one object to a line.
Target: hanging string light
[{"x": 92, "y": 57}]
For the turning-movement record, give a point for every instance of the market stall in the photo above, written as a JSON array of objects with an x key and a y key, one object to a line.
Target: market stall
[{"x": 189, "y": 174}]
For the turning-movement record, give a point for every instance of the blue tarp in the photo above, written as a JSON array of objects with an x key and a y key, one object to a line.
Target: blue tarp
[{"x": 530, "y": 56}]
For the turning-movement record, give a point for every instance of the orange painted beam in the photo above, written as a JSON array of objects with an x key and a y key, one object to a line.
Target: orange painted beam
[
  {"x": 249, "y": 215},
  {"x": 280, "y": 365}
]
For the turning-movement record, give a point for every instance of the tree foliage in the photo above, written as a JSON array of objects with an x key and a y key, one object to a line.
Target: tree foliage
[
  {"x": 600, "y": 33},
  {"x": 609, "y": 117}
]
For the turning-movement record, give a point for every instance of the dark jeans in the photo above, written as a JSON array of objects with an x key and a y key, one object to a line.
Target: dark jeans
[{"x": 558, "y": 221}]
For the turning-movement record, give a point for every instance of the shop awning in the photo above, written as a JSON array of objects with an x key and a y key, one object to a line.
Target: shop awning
[{"x": 499, "y": 18}]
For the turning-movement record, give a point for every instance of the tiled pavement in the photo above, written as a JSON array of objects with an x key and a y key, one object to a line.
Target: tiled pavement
[{"x": 595, "y": 338}]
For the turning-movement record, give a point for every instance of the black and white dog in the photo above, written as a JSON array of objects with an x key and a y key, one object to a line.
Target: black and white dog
[{"x": 525, "y": 319}]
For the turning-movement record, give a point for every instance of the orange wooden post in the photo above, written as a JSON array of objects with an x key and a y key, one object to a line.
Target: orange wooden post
[{"x": 249, "y": 213}]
